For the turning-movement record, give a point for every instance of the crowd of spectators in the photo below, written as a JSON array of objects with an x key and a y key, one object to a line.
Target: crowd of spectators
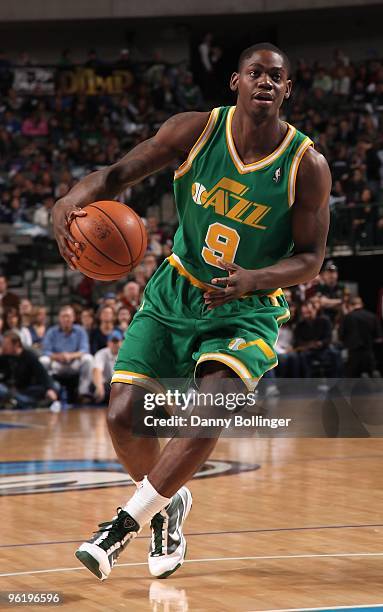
[{"x": 48, "y": 142}]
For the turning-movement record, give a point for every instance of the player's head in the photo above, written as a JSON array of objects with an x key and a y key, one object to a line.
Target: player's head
[{"x": 262, "y": 81}]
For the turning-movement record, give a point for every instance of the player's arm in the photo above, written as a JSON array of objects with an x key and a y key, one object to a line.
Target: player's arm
[
  {"x": 173, "y": 141},
  {"x": 310, "y": 223}
]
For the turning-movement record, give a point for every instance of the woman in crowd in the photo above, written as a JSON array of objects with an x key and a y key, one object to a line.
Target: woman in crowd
[
  {"x": 13, "y": 323},
  {"x": 38, "y": 326}
]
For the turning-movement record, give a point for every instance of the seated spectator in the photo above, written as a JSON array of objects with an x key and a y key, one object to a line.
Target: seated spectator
[
  {"x": 42, "y": 214},
  {"x": 124, "y": 317},
  {"x": 87, "y": 319},
  {"x": 164, "y": 98},
  {"x": 7, "y": 298},
  {"x": 150, "y": 265},
  {"x": 26, "y": 382},
  {"x": 359, "y": 331},
  {"x": 189, "y": 94},
  {"x": 98, "y": 336},
  {"x": 354, "y": 186},
  {"x": 312, "y": 337},
  {"x": 66, "y": 350},
  {"x": 13, "y": 323},
  {"x": 103, "y": 367},
  {"x": 288, "y": 358},
  {"x": 25, "y": 310},
  {"x": 322, "y": 81},
  {"x": 331, "y": 291},
  {"x": 38, "y": 326},
  {"x": 131, "y": 297},
  {"x": 364, "y": 219},
  {"x": 109, "y": 299}
]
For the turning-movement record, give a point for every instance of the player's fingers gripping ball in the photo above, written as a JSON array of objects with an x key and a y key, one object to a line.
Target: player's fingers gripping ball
[{"x": 112, "y": 240}]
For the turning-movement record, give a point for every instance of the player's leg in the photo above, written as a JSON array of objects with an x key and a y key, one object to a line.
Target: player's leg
[
  {"x": 181, "y": 458},
  {"x": 178, "y": 462},
  {"x": 137, "y": 454},
  {"x": 138, "y": 368}
]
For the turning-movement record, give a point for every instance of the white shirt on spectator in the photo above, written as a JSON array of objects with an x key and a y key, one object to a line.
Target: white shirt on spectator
[
  {"x": 285, "y": 340},
  {"x": 104, "y": 360},
  {"x": 41, "y": 216},
  {"x": 25, "y": 335}
]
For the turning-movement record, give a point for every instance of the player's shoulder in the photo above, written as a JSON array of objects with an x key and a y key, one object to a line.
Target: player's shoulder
[
  {"x": 181, "y": 131},
  {"x": 313, "y": 172},
  {"x": 313, "y": 162}
]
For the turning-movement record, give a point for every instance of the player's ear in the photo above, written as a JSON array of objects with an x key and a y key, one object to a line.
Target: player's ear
[
  {"x": 288, "y": 89},
  {"x": 234, "y": 81}
]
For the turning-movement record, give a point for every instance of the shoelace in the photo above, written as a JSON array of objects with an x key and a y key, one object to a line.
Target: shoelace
[
  {"x": 114, "y": 529},
  {"x": 157, "y": 524}
]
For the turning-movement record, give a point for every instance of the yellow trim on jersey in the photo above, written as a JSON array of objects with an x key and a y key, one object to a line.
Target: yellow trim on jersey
[
  {"x": 176, "y": 263},
  {"x": 201, "y": 141},
  {"x": 134, "y": 378},
  {"x": 234, "y": 364},
  {"x": 286, "y": 316},
  {"x": 273, "y": 296},
  {"x": 258, "y": 165},
  {"x": 261, "y": 344},
  {"x": 305, "y": 144}
]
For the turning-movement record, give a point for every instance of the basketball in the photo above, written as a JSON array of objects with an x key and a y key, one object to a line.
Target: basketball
[{"x": 113, "y": 240}]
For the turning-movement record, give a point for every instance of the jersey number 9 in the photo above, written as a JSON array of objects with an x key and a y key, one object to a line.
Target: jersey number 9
[{"x": 222, "y": 243}]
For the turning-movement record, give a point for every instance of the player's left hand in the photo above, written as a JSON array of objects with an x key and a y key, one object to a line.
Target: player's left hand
[{"x": 236, "y": 284}]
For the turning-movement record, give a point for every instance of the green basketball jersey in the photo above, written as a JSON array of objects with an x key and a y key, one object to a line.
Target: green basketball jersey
[{"x": 230, "y": 210}]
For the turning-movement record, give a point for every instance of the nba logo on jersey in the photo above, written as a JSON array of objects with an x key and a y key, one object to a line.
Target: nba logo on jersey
[{"x": 277, "y": 175}]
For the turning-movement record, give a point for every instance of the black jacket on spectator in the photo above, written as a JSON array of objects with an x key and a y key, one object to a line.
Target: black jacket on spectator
[
  {"x": 24, "y": 371},
  {"x": 359, "y": 329},
  {"x": 97, "y": 340},
  {"x": 311, "y": 330}
]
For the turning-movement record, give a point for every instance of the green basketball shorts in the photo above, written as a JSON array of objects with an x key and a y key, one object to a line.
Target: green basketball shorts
[{"x": 173, "y": 332}]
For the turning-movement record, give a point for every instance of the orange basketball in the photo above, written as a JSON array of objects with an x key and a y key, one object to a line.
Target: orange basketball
[{"x": 113, "y": 240}]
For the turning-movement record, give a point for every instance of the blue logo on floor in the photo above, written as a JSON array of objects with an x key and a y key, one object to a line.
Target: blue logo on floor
[{"x": 23, "y": 477}]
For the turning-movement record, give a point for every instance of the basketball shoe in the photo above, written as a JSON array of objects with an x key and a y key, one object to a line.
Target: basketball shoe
[
  {"x": 100, "y": 553},
  {"x": 167, "y": 549}
]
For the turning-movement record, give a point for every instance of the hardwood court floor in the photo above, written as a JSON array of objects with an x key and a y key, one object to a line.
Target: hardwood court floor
[{"x": 305, "y": 530}]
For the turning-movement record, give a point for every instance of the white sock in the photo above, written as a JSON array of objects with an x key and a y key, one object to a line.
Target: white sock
[{"x": 145, "y": 503}]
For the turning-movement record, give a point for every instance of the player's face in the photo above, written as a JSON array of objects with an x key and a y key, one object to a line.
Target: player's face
[{"x": 262, "y": 84}]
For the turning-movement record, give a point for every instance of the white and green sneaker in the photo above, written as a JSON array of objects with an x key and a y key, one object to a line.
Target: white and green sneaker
[
  {"x": 168, "y": 545},
  {"x": 101, "y": 551}
]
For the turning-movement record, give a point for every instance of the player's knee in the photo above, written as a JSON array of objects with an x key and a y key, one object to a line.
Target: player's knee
[{"x": 119, "y": 415}]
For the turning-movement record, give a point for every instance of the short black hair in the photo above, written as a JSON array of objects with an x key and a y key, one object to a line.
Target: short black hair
[{"x": 246, "y": 53}]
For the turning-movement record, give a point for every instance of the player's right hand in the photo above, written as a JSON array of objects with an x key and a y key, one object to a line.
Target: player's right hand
[{"x": 63, "y": 214}]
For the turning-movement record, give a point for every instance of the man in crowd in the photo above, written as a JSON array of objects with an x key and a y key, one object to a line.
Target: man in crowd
[
  {"x": 26, "y": 382},
  {"x": 312, "y": 340},
  {"x": 359, "y": 331},
  {"x": 104, "y": 361},
  {"x": 331, "y": 291},
  {"x": 66, "y": 350},
  {"x": 130, "y": 296}
]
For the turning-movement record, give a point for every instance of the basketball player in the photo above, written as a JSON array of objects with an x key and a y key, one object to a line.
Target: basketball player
[{"x": 252, "y": 196}]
